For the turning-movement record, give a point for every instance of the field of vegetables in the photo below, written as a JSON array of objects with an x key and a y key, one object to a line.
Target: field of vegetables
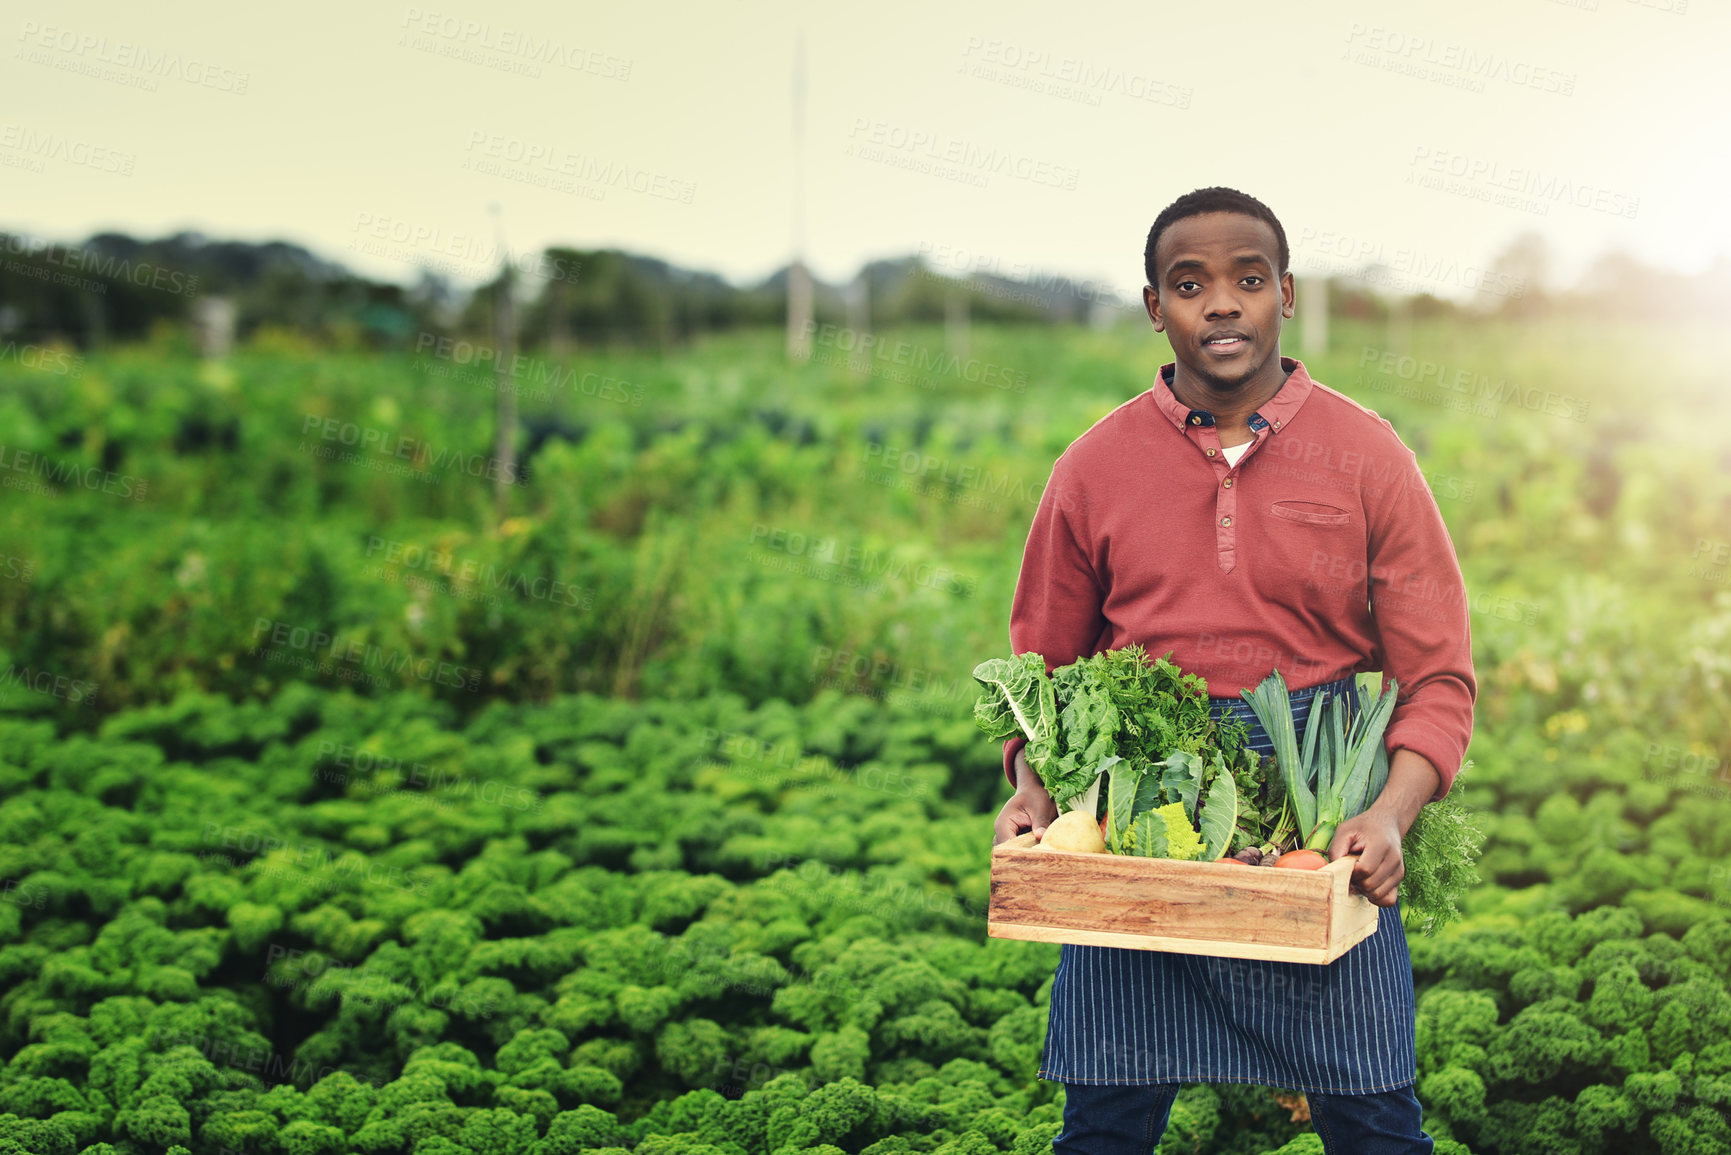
[{"x": 339, "y": 815}]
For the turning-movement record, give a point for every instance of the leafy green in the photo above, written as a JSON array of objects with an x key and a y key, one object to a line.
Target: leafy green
[
  {"x": 1147, "y": 836},
  {"x": 1088, "y": 727},
  {"x": 1144, "y": 723},
  {"x": 1219, "y": 817},
  {"x": 1181, "y": 779},
  {"x": 1440, "y": 852},
  {"x": 1018, "y": 698},
  {"x": 1123, "y": 786}
]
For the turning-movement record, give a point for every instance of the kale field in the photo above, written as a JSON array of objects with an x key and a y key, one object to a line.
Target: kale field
[{"x": 341, "y": 814}]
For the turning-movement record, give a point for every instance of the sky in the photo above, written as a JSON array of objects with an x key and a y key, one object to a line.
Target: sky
[{"x": 1004, "y": 137}]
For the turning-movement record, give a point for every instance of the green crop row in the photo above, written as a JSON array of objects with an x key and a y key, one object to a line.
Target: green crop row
[{"x": 331, "y": 924}]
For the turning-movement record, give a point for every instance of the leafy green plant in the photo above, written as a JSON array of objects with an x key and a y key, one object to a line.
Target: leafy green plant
[{"x": 1141, "y": 727}]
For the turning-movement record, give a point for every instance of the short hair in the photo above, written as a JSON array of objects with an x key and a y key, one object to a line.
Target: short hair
[{"x": 1211, "y": 200}]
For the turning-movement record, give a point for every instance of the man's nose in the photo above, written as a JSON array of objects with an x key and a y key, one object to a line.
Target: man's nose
[{"x": 1221, "y": 302}]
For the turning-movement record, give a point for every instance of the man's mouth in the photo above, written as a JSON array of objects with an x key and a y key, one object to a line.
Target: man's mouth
[{"x": 1226, "y": 344}]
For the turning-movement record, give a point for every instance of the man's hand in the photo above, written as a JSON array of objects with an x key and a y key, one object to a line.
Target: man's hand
[
  {"x": 1375, "y": 837},
  {"x": 1029, "y": 806}
]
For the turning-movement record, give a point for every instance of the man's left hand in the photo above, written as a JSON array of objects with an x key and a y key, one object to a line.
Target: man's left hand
[{"x": 1375, "y": 838}]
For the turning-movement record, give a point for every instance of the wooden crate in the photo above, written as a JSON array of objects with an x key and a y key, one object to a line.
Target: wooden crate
[{"x": 1213, "y": 908}]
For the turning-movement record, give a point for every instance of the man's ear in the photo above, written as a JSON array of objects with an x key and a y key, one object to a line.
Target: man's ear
[
  {"x": 1286, "y": 295},
  {"x": 1151, "y": 302}
]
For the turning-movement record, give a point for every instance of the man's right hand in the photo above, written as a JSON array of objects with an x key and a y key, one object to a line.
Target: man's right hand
[{"x": 1030, "y": 806}]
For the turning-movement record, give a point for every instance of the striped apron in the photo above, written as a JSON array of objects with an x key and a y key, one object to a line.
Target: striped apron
[{"x": 1144, "y": 1016}]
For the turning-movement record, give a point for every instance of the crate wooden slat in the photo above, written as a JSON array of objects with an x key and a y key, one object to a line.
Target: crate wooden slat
[{"x": 1211, "y": 908}]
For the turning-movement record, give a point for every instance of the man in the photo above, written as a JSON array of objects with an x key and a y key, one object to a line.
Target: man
[{"x": 1247, "y": 518}]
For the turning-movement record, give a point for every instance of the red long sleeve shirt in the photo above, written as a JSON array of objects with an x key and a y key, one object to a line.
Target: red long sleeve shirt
[{"x": 1321, "y": 553}]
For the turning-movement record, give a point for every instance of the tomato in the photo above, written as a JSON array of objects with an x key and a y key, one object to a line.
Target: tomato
[{"x": 1303, "y": 860}]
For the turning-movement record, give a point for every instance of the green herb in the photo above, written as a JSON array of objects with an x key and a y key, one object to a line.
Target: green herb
[{"x": 1440, "y": 851}]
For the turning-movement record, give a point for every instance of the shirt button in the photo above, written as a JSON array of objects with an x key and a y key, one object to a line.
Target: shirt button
[
  {"x": 1277, "y": 425},
  {"x": 1227, "y": 483},
  {"x": 1226, "y": 521},
  {"x": 1210, "y": 453},
  {"x": 1196, "y": 421}
]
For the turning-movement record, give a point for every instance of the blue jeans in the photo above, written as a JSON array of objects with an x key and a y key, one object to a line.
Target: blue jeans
[{"x": 1129, "y": 1120}]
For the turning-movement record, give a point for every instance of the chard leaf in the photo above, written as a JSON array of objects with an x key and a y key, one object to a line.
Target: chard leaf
[
  {"x": 1147, "y": 794},
  {"x": 1181, "y": 780},
  {"x": 1219, "y": 817},
  {"x": 1017, "y": 696},
  {"x": 1120, "y": 799}
]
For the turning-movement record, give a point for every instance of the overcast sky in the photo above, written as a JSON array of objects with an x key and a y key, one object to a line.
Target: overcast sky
[{"x": 1010, "y": 136}]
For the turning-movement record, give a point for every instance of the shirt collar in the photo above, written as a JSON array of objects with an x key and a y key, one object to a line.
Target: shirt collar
[{"x": 1275, "y": 413}]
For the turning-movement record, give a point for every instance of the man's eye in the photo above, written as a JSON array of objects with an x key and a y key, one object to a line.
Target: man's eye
[
  {"x": 1253, "y": 280},
  {"x": 1184, "y": 286}
]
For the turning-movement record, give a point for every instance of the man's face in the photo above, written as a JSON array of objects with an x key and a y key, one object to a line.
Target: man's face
[{"x": 1218, "y": 299}]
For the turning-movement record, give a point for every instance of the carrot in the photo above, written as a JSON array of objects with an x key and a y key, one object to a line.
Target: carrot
[{"x": 1303, "y": 859}]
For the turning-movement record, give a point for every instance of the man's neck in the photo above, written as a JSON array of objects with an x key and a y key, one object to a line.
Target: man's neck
[{"x": 1231, "y": 410}]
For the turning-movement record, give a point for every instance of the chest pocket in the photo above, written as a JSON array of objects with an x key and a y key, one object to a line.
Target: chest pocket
[{"x": 1310, "y": 513}]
